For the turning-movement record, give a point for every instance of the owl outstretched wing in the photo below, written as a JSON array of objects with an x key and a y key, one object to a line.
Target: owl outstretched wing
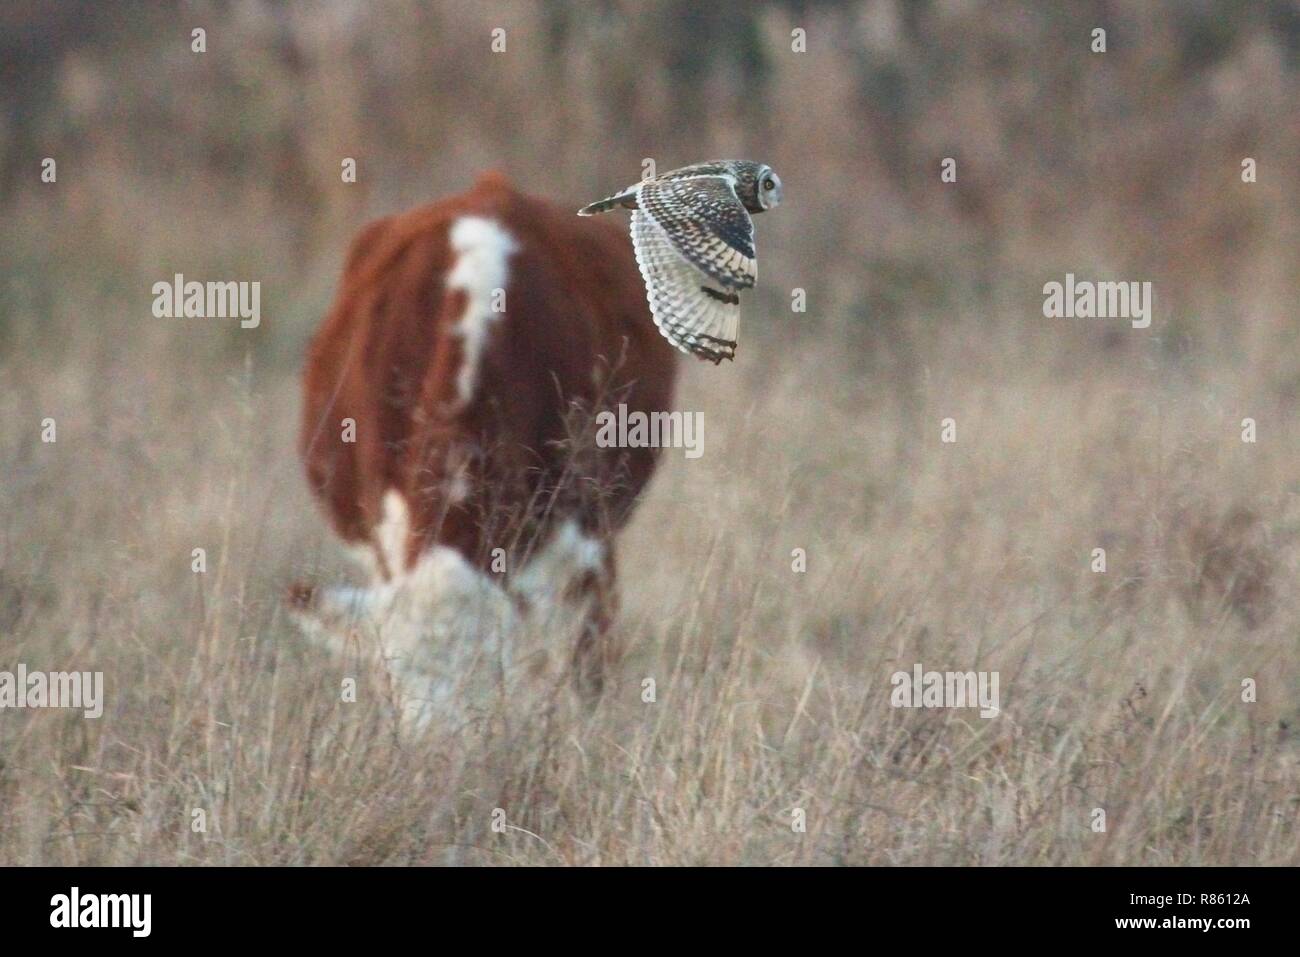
[
  {"x": 708, "y": 224},
  {"x": 691, "y": 313}
]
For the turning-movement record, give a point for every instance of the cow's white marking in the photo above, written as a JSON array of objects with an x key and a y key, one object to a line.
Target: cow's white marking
[
  {"x": 567, "y": 555},
  {"x": 392, "y": 532},
  {"x": 455, "y": 484},
  {"x": 368, "y": 558},
  {"x": 482, "y": 247},
  {"x": 442, "y": 621},
  {"x": 438, "y": 626}
]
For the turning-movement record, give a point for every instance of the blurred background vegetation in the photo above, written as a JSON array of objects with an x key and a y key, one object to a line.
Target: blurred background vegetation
[{"x": 226, "y": 164}]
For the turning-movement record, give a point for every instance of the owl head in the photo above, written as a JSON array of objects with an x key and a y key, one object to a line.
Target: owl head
[{"x": 757, "y": 186}]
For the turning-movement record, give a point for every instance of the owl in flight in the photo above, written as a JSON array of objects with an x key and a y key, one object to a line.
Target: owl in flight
[{"x": 694, "y": 242}]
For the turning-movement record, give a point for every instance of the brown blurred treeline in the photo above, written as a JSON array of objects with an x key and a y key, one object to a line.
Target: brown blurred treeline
[{"x": 1122, "y": 165}]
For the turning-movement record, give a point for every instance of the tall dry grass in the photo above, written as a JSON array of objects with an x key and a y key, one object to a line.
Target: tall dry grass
[{"x": 1120, "y": 690}]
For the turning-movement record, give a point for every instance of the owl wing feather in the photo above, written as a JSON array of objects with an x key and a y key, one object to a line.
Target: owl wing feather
[
  {"x": 708, "y": 224},
  {"x": 694, "y": 317}
]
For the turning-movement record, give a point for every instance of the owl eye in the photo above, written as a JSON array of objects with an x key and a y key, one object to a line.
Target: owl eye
[{"x": 768, "y": 184}]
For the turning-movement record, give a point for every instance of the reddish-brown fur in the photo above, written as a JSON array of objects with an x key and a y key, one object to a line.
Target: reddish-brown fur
[{"x": 575, "y": 337}]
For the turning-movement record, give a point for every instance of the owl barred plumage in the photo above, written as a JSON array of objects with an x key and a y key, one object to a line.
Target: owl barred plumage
[{"x": 694, "y": 243}]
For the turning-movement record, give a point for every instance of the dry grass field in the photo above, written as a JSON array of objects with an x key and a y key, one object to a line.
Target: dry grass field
[{"x": 1120, "y": 690}]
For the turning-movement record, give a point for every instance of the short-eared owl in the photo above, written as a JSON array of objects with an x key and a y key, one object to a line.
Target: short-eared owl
[{"x": 694, "y": 242}]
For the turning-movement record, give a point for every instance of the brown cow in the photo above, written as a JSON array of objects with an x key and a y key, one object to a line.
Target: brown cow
[{"x": 446, "y": 426}]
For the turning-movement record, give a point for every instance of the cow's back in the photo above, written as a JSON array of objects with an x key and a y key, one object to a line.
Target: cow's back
[{"x": 468, "y": 341}]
